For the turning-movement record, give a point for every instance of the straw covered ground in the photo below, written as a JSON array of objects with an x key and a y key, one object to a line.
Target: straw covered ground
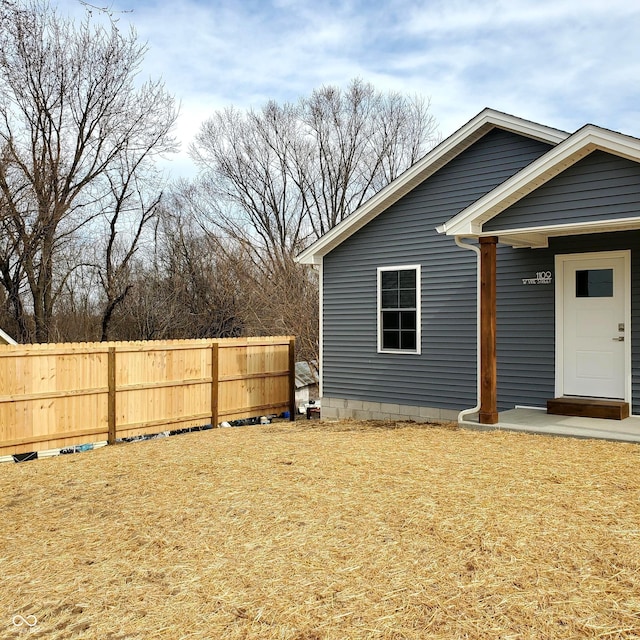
[{"x": 317, "y": 531}]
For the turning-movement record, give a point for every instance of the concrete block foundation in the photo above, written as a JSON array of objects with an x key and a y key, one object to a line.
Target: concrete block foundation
[{"x": 343, "y": 408}]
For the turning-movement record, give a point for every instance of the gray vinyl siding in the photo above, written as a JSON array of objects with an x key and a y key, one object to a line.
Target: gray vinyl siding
[
  {"x": 525, "y": 331},
  {"x": 444, "y": 374},
  {"x": 526, "y": 317},
  {"x": 601, "y": 186}
]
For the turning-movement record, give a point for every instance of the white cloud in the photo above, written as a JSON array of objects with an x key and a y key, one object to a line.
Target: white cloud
[{"x": 560, "y": 62}]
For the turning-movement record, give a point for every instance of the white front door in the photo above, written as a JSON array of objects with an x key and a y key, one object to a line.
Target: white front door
[{"x": 592, "y": 330}]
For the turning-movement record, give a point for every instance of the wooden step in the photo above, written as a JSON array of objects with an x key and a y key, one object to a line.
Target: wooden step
[{"x": 589, "y": 408}]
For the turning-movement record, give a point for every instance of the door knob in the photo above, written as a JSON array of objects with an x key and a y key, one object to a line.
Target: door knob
[{"x": 618, "y": 339}]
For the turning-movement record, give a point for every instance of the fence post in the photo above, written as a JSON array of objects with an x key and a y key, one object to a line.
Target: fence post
[
  {"x": 111, "y": 383},
  {"x": 215, "y": 379},
  {"x": 292, "y": 379}
]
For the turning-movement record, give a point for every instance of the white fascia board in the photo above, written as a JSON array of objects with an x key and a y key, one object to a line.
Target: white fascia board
[
  {"x": 526, "y": 127},
  {"x": 586, "y": 140},
  {"x": 5, "y": 338},
  {"x": 438, "y": 157},
  {"x": 535, "y": 237}
]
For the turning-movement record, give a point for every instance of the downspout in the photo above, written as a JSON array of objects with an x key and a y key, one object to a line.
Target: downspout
[{"x": 476, "y": 409}]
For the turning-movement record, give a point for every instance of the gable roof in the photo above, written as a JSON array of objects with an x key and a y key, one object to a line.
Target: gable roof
[
  {"x": 437, "y": 158},
  {"x": 577, "y": 146},
  {"x": 305, "y": 375}
]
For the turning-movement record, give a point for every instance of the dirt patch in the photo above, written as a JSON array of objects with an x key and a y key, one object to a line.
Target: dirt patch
[
  {"x": 364, "y": 425},
  {"x": 324, "y": 530}
]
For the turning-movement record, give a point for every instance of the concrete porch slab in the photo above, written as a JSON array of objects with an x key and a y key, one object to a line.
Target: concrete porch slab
[{"x": 539, "y": 421}]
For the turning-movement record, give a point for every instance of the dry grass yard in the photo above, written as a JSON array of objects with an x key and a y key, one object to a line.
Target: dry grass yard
[{"x": 325, "y": 531}]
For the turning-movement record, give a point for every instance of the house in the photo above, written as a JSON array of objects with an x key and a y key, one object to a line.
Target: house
[
  {"x": 502, "y": 270},
  {"x": 306, "y": 383}
]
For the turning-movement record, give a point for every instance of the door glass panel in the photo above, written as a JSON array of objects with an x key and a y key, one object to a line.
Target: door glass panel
[{"x": 594, "y": 283}]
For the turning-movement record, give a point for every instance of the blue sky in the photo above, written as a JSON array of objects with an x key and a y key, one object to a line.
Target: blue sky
[{"x": 562, "y": 63}]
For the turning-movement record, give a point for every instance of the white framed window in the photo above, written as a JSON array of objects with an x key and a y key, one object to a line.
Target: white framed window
[{"x": 399, "y": 309}]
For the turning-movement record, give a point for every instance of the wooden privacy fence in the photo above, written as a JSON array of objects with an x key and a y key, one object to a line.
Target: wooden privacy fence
[{"x": 59, "y": 395}]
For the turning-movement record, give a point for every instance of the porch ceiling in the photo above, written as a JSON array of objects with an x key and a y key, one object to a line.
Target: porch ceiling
[{"x": 538, "y": 237}]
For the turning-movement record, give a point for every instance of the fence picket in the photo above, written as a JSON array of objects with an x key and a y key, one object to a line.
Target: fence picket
[{"x": 54, "y": 396}]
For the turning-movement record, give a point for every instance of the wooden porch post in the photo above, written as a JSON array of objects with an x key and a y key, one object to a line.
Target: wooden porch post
[
  {"x": 488, "y": 360},
  {"x": 215, "y": 383}
]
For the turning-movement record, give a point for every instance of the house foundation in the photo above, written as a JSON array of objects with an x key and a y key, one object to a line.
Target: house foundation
[{"x": 344, "y": 409}]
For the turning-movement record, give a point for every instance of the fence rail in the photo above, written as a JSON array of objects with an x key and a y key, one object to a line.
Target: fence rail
[{"x": 59, "y": 395}]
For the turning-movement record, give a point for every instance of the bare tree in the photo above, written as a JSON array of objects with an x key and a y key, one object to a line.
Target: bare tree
[
  {"x": 248, "y": 192},
  {"x": 286, "y": 303},
  {"x": 72, "y": 118},
  {"x": 354, "y": 143},
  {"x": 282, "y": 176},
  {"x": 191, "y": 287},
  {"x": 276, "y": 179},
  {"x": 76, "y": 317},
  {"x": 135, "y": 200},
  {"x": 206, "y": 280}
]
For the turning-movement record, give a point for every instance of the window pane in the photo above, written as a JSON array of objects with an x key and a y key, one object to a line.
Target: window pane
[
  {"x": 408, "y": 279},
  {"x": 407, "y": 299},
  {"x": 594, "y": 283},
  {"x": 398, "y": 312},
  {"x": 390, "y": 279},
  {"x": 390, "y": 339},
  {"x": 390, "y": 320},
  {"x": 390, "y": 299},
  {"x": 408, "y": 340},
  {"x": 408, "y": 319}
]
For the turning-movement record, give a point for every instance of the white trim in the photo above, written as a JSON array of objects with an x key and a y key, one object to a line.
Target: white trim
[
  {"x": 417, "y": 268},
  {"x": 320, "y": 326},
  {"x": 560, "y": 260},
  {"x": 437, "y": 158},
  {"x": 574, "y": 148},
  {"x": 531, "y": 407},
  {"x": 5, "y": 338}
]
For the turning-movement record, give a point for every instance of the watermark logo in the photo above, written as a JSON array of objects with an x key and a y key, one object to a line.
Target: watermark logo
[{"x": 29, "y": 621}]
